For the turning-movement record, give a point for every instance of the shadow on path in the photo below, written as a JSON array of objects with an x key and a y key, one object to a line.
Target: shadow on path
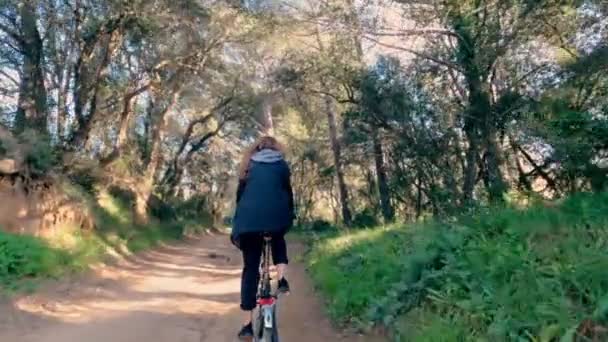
[{"x": 185, "y": 292}]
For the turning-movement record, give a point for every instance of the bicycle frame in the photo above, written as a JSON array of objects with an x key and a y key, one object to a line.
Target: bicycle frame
[
  {"x": 266, "y": 300},
  {"x": 265, "y": 290}
]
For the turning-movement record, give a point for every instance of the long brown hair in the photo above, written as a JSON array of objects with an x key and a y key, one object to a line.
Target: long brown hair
[{"x": 263, "y": 143}]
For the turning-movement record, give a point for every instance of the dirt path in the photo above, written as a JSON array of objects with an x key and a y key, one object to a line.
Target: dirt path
[{"x": 187, "y": 292}]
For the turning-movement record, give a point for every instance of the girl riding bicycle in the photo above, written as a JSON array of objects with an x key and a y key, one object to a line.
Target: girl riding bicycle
[{"x": 264, "y": 205}]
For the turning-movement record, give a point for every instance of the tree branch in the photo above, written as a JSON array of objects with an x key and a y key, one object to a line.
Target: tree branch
[
  {"x": 202, "y": 140},
  {"x": 123, "y": 125},
  {"x": 413, "y": 32},
  {"x": 349, "y": 100},
  {"x": 8, "y": 92},
  {"x": 536, "y": 168},
  {"x": 450, "y": 65},
  {"x": 562, "y": 41},
  {"x": 174, "y": 167},
  {"x": 12, "y": 20},
  {"x": 9, "y": 77},
  {"x": 528, "y": 74},
  {"x": 13, "y": 34},
  {"x": 7, "y": 41}
]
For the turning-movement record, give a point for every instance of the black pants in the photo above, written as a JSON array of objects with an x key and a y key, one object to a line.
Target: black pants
[{"x": 251, "y": 246}]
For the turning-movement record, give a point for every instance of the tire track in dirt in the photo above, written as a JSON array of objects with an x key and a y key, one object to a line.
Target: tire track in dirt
[{"x": 186, "y": 292}]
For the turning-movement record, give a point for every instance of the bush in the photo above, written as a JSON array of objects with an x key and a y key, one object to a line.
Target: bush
[
  {"x": 503, "y": 274},
  {"x": 365, "y": 219},
  {"x": 161, "y": 210},
  {"x": 191, "y": 208},
  {"x": 26, "y": 256},
  {"x": 40, "y": 156},
  {"x": 319, "y": 226},
  {"x": 126, "y": 197},
  {"x": 85, "y": 179},
  {"x": 148, "y": 237}
]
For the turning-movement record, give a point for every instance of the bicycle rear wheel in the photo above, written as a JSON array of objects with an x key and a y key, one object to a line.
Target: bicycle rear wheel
[{"x": 267, "y": 334}]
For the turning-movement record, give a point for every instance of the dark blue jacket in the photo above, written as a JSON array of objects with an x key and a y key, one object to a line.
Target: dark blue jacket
[{"x": 264, "y": 199}]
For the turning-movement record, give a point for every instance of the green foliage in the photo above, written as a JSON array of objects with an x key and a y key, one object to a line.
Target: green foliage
[
  {"x": 161, "y": 210},
  {"x": 85, "y": 179},
  {"x": 366, "y": 218},
  {"x": 192, "y": 207},
  {"x": 318, "y": 226},
  {"x": 40, "y": 156},
  {"x": 26, "y": 256},
  {"x": 117, "y": 227},
  {"x": 578, "y": 138},
  {"x": 124, "y": 196},
  {"x": 502, "y": 274},
  {"x": 418, "y": 150},
  {"x": 151, "y": 236},
  {"x": 193, "y": 211}
]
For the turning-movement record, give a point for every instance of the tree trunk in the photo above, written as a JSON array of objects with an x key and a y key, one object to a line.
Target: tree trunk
[
  {"x": 32, "y": 105},
  {"x": 62, "y": 106},
  {"x": 59, "y": 53},
  {"x": 123, "y": 126},
  {"x": 481, "y": 132},
  {"x": 121, "y": 139},
  {"x": 335, "y": 147},
  {"x": 372, "y": 189},
  {"x": 355, "y": 24},
  {"x": 480, "y": 125},
  {"x": 470, "y": 172},
  {"x": 267, "y": 121},
  {"x": 419, "y": 196},
  {"x": 146, "y": 185},
  {"x": 144, "y": 147},
  {"x": 385, "y": 200},
  {"x": 88, "y": 73},
  {"x": 493, "y": 161},
  {"x": 335, "y": 143}
]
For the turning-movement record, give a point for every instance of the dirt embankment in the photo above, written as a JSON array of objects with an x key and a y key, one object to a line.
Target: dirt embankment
[
  {"x": 34, "y": 204},
  {"x": 39, "y": 207}
]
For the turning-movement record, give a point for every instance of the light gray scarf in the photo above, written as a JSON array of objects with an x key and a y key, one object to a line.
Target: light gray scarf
[{"x": 267, "y": 156}]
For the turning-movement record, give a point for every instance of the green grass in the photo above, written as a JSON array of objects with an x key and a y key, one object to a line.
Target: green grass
[
  {"x": 22, "y": 257},
  {"x": 502, "y": 275},
  {"x": 25, "y": 259}
]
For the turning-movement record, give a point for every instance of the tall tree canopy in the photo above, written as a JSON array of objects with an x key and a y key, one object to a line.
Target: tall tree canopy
[{"x": 390, "y": 110}]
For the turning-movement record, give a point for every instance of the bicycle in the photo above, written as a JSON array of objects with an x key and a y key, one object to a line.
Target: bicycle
[{"x": 265, "y": 328}]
